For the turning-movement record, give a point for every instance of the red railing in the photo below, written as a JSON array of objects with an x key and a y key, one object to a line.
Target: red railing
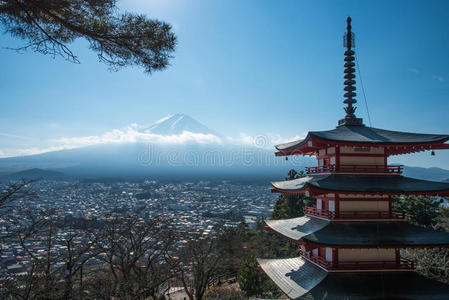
[
  {"x": 356, "y": 169},
  {"x": 371, "y": 215},
  {"x": 309, "y": 210},
  {"x": 320, "y": 169},
  {"x": 316, "y": 259},
  {"x": 403, "y": 264}
]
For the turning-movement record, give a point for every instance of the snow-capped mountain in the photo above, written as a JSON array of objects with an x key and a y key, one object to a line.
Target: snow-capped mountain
[
  {"x": 177, "y": 124},
  {"x": 175, "y": 146}
]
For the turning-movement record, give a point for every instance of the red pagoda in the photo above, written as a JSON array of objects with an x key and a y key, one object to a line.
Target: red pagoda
[{"x": 350, "y": 242}]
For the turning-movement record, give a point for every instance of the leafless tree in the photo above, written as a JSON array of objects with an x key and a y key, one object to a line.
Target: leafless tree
[
  {"x": 135, "y": 250},
  {"x": 56, "y": 251},
  {"x": 12, "y": 192},
  {"x": 200, "y": 262}
]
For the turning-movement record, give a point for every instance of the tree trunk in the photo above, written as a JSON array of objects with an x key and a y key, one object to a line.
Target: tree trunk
[{"x": 81, "y": 295}]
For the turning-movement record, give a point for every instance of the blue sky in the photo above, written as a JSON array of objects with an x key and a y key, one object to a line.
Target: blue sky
[{"x": 252, "y": 67}]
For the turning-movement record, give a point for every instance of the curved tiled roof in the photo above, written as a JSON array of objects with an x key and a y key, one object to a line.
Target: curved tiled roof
[
  {"x": 362, "y": 234},
  {"x": 373, "y": 234},
  {"x": 300, "y": 279},
  {"x": 380, "y": 285},
  {"x": 294, "y": 276},
  {"x": 363, "y": 134},
  {"x": 362, "y": 183},
  {"x": 296, "y": 228}
]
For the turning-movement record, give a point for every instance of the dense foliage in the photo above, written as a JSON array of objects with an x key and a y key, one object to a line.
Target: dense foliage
[
  {"x": 290, "y": 206},
  {"x": 420, "y": 210},
  {"x": 254, "y": 282},
  {"x": 428, "y": 212}
]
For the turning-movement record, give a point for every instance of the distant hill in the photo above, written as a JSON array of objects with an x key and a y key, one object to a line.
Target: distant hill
[
  {"x": 159, "y": 161},
  {"x": 434, "y": 174},
  {"x": 35, "y": 173}
]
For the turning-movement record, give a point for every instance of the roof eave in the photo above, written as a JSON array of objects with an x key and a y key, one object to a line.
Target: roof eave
[
  {"x": 313, "y": 191},
  {"x": 304, "y": 148}
]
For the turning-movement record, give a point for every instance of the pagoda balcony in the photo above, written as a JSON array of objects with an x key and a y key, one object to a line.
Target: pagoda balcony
[
  {"x": 326, "y": 214},
  {"x": 322, "y": 213},
  {"x": 402, "y": 264},
  {"x": 397, "y": 169}
]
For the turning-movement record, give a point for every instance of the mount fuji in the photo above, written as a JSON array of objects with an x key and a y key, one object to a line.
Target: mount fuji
[
  {"x": 177, "y": 124},
  {"x": 176, "y": 146}
]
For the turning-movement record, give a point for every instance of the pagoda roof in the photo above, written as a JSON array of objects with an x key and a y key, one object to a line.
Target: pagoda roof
[
  {"x": 382, "y": 234},
  {"x": 357, "y": 234},
  {"x": 363, "y": 135},
  {"x": 393, "y": 184},
  {"x": 300, "y": 279},
  {"x": 295, "y": 229},
  {"x": 294, "y": 276}
]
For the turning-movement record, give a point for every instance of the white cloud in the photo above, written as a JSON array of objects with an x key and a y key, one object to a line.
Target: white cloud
[
  {"x": 133, "y": 134},
  {"x": 414, "y": 70},
  {"x": 262, "y": 140},
  {"x": 438, "y": 77},
  {"x": 28, "y": 151},
  {"x": 14, "y": 136}
]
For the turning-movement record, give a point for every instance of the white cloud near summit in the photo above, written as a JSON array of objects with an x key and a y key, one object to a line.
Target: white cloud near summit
[{"x": 134, "y": 134}]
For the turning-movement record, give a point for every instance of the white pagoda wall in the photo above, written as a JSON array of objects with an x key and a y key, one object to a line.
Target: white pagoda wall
[
  {"x": 361, "y": 160},
  {"x": 369, "y": 254},
  {"x": 364, "y": 206}
]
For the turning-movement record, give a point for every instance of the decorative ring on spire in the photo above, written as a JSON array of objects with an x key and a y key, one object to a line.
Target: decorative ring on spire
[
  {"x": 349, "y": 83},
  {"x": 349, "y": 73}
]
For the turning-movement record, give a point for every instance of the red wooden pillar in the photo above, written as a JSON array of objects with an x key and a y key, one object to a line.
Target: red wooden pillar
[
  {"x": 337, "y": 158},
  {"x": 322, "y": 252},
  {"x": 334, "y": 256},
  {"x": 390, "y": 205},
  {"x": 337, "y": 205},
  {"x": 398, "y": 255}
]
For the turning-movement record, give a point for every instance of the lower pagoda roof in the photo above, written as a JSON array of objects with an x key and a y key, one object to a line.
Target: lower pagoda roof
[
  {"x": 294, "y": 276},
  {"x": 300, "y": 279},
  {"x": 394, "y": 184},
  {"x": 357, "y": 234}
]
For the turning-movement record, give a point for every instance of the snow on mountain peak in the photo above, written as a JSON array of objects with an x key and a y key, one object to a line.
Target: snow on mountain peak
[{"x": 176, "y": 124}]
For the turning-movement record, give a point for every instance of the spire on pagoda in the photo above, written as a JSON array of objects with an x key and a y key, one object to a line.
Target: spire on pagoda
[{"x": 349, "y": 43}]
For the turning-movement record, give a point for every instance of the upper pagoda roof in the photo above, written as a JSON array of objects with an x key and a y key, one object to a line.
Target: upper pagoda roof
[
  {"x": 362, "y": 135},
  {"x": 394, "y": 184},
  {"x": 360, "y": 234},
  {"x": 301, "y": 279}
]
